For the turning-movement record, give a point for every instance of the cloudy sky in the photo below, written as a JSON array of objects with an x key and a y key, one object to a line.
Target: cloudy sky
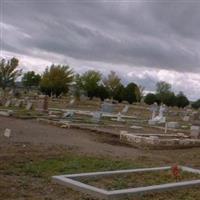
[{"x": 143, "y": 41}]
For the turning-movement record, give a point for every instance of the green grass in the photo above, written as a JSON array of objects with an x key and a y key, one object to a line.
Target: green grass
[
  {"x": 42, "y": 168},
  {"x": 71, "y": 164}
]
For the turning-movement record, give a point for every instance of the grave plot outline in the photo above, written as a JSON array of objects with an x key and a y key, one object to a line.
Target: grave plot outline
[{"x": 73, "y": 181}]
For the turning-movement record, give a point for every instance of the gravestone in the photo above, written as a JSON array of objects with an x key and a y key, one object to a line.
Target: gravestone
[
  {"x": 119, "y": 117},
  {"x": 174, "y": 125},
  {"x": 7, "y": 133},
  {"x": 195, "y": 132},
  {"x": 96, "y": 117},
  {"x": 29, "y": 106},
  {"x": 107, "y": 107},
  {"x": 45, "y": 103},
  {"x": 8, "y": 103},
  {"x": 160, "y": 118},
  {"x": 72, "y": 101},
  {"x": 18, "y": 103},
  {"x": 125, "y": 109},
  {"x": 154, "y": 110},
  {"x": 186, "y": 118},
  {"x": 68, "y": 115}
]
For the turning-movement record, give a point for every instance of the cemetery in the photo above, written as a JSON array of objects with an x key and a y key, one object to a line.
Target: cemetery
[
  {"x": 134, "y": 132},
  {"x": 99, "y": 100}
]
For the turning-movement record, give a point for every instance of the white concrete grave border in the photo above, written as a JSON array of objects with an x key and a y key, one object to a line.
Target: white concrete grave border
[{"x": 74, "y": 182}]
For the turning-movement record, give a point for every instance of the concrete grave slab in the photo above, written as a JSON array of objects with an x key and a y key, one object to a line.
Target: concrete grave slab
[{"x": 74, "y": 182}]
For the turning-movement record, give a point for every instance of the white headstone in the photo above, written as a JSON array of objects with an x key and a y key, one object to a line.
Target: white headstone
[
  {"x": 186, "y": 118},
  {"x": 96, "y": 116},
  {"x": 154, "y": 109},
  {"x": 107, "y": 107},
  {"x": 68, "y": 114},
  {"x": 195, "y": 132},
  {"x": 29, "y": 106},
  {"x": 18, "y": 103},
  {"x": 72, "y": 101},
  {"x": 174, "y": 125},
  {"x": 119, "y": 117},
  {"x": 8, "y": 103},
  {"x": 7, "y": 132},
  {"x": 125, "y": 109}
]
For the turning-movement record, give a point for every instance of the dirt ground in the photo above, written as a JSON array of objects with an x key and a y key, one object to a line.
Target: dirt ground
[{"x": 33, "y": 141}]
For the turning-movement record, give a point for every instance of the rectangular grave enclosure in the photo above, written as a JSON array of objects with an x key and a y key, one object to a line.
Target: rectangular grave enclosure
[{"x": 74, "y": 182}]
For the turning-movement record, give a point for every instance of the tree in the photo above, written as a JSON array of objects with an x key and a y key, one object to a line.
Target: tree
[
  {"x": 112, "y": 82},
  {"x": 131, "y": 93},
  {"x": 76, "y": 89},
  {"x": 9, "y": 72},
  {"x": 102, "y": 92},
  {"x": 90, "y": 81},
  {"x": 30, "y": 79},
  {"x": 168, "y": 98},
  {"x": 56, "y": 80},
  {"x": 196, "y": 104},
  {"x": 150, "y": 98},
  {"x": 181, "y": 100},
  {"x": 164, "y": 94},
  {"x": 119, "y": 93},
  {"x": 162, "y": 87}
]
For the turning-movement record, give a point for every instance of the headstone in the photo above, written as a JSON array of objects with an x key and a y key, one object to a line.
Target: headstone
[
  {"x": 154, "y": 109},
  {"x": 4, "y": 113},
  {"x": 11, "y": 92},
  {"x": 136, "y": 127},
  {"x": 107, "y": 107},
  {"x": 195, "y": 116},
  {"x": 18, "y": 103},
  {"x": 29, "y": 106},
  {"x": 72, "y": 101},
  {"x": 8, "y": 103},
  {"x": 160, "y": 119},
  {"x": 69, "y": 115},
  {"x": 195, "y": 132},
  {"x": 7, "y": 133},
  {"x": 119, "y": 117},
  {"x": 45, "y": 103},
  {"x": 125, "y": 109},
  {"x": 96, "y": 117},
  {"x": 162, "y": 110},
  {"x": 186, "y": 118},
  {"x": 83, "y": 98},
  {"x": 174, "y": 125}
]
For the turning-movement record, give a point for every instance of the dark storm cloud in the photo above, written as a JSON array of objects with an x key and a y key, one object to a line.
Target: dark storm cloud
[{"x": 157, "y": 35}]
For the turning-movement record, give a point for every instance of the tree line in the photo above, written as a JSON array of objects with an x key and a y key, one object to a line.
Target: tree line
[
  {"x": 61, "y": 79},
  {"x": 164, "y": 94}
]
